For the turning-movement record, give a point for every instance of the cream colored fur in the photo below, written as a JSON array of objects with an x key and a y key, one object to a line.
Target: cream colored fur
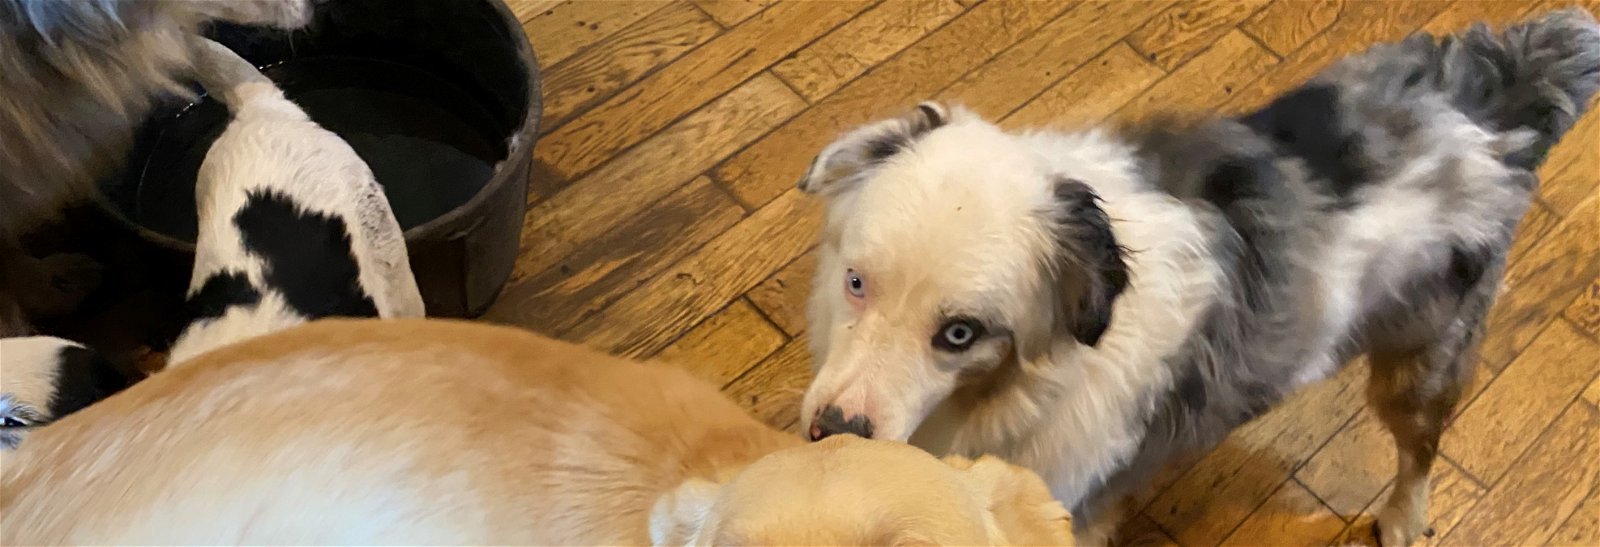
[{"x": 416, "y": 432}]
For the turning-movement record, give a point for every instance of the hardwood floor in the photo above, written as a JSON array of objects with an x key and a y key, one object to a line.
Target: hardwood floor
[{"x": 664, "y": 223}]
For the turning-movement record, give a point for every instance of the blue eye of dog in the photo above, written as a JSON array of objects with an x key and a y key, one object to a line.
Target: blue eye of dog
[
  {"x": 958, "y": 334},
  {"x": 13, "y": 422},
  {"x": 854, "y": 283}
]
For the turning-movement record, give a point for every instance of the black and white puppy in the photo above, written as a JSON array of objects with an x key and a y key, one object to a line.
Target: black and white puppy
[
  {"x": 79, "y": 76},
  {"x": 44, "y": 378},
  {"x": 1093, "y": 303},
  {"x": 293, "y": 225}
]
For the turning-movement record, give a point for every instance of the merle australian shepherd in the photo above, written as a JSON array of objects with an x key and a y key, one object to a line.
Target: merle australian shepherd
[{"x": 1093, "y": 303}]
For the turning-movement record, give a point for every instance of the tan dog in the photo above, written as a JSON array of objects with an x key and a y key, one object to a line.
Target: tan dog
[{"x": 414, "y": 432}]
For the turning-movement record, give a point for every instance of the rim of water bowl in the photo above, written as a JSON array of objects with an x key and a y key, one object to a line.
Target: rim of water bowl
[{"x": 527, "y": 133}]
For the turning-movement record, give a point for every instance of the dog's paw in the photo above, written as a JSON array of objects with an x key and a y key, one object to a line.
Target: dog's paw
[{"x": 1399, "y": 531}]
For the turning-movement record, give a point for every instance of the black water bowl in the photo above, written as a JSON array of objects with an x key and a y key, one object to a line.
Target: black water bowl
[{"x": 440, "y": 97}]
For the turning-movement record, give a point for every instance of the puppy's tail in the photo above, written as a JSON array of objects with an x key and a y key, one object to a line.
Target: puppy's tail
[
  {"x": 238, "y": 84},
  {"x": 1537, "y": 75}
]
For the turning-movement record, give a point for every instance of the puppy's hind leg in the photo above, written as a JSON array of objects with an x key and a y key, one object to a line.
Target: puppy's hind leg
[{"x": 1414, "y": 393}]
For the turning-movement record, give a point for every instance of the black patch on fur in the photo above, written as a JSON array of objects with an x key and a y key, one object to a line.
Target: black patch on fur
[
  {"x": 307, "y": 257},
  {"x": 1467, "y": 267},
  {"x": 83, "y": 377},
  {"x": 831, "y": 422},
  {"x": 881, "y": 149},
  {"x": 1086, "y": 243},
  {"x": 932, "y": 114},
  {"x": 1305, "y": 124},
  {"x": 1192, "y": 391},
  {"x": 219, "y": 292}
]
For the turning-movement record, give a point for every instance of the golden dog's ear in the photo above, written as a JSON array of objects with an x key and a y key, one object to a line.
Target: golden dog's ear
[
  {"x": 843, "y": 161},
  {"x": 1020, "y": 505},
  {"x": 680, "y": 516}
]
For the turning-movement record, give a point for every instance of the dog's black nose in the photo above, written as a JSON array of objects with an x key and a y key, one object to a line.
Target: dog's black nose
[{"x": 831, "y": 422}]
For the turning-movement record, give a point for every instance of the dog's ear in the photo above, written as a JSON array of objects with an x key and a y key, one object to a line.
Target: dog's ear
[
  {"x": 680, "y": 517},
  {"x": 845, "y": 159},
  {"x": 1088, "y": 267},
  {"x": 1020, "y": 506}
]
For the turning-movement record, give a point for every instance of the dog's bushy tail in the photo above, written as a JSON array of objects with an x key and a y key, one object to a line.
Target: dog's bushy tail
[
  {"x": 237, "y": 83},
  {"x": 1537, "y": 75}
]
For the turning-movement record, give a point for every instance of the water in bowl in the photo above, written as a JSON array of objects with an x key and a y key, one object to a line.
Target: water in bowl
[{"x": 429, "y": 144}]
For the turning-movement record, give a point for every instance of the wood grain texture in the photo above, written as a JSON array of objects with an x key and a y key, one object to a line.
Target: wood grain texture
[
  {"x": 1454, "y": 495},
  {"x": 671, "y": 302},
  {"x": 704, "y": 74},
  {"x": 1584, "y": 311},
  {"x": 1542, "y": 281},
  {"x": 1292, "y": 516},
  {"x": 524, "y": 10},
  {"x": 772, "y": 165},
  {"x": 1489, "y": 435},
  {"x": 1220, "y": 491},
  {"x": 563, "y": 30},
  {"x": 1535, "y": 224},
  {"x": 1089, "y": 94},
  {"x": 555, "y": 228},
  {"x": 730, "y": 13},
  {"x": 841, "y": 55},
  {"x": 1359, "y": 25},
  {"x": 1354, "y": 466},
  {"x": 1184, "y": 30},
  {"x": 1285, "y": 26},
  {"x": 1571, "y": 174},
  {"x": 1140, "y": 531},
  {"x": 1058, "y": 48},
  {"x": 782, "y": 297},
  {"x": 1207, "y": 82},
  {"x": 772, "y": 389},
  {"x": 1583, "y": 527},
  {"x": 1532, "y": 502},
  {"x": 725, "y": 345},
  {"x": 619, "y": 60},
  {"x": 613, "y": 263}
]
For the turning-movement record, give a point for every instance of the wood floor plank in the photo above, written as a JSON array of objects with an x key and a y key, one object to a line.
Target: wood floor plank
[
  {"x": 1502, "y": 422},
  {"x": 562, "y": 30},
  {"x": 524, "y": 10},
  {"x": 609, "y": 265},
  {"x": 1089, "y": 94},
  {"x": 1583, "y": 527},
  {"x": 1496, "y": 13},
  {"x": 1353, "y": 468},
  {"x": 772, "y": 390},
  {"x": 1592, "y": 393},
  {"x": 1584, "y": 312},
  {"x": 1551, "y": 482},
  {"x": 1184, "y": 30},
  {"x": 1207, "y": 82},
  {"x": 1220, "y": 491},
  {"x": 1286, "y": 25},
  {"x": 782, "y": 297},
  {"x": 1358, "y": 26},
  {"x": 576, "y": 216},
  {"x": 725, "y": 345},
  {"x": 1057, "y": 49},
  {"x": 702, "y": 75},
  {"x": 668, "y": 304},
  {"x": 1291, "y": 517},
  {"x": 1538, "y": 222},
  {"x": 1542, "y": 281},
  {"x": 1140, "y": 531},
  {"x": 732, "y": 12},
  {"x": 621, "y": 59},
  {"x": 1453, "y": 495},
  {"x": 1572, "y": 172},
  {"x": 878, "y": 33},
  {"x": 772, "y": 165}
]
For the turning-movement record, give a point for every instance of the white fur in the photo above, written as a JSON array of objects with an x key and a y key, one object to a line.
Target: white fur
[{"x": 271, "y": 145}]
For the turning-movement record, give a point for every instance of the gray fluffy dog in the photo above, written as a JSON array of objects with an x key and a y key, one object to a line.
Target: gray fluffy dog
[{"x": 79, "y": 76}]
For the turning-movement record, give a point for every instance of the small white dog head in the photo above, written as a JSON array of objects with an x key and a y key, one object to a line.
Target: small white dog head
[{"x": 951, "y": 255}]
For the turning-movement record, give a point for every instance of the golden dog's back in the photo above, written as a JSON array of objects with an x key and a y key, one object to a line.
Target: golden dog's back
[{"x": 393, "y": 432}]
